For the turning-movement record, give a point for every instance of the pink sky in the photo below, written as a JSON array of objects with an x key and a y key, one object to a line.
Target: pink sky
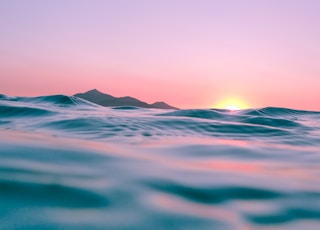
[{"x": 189, "y": 53}]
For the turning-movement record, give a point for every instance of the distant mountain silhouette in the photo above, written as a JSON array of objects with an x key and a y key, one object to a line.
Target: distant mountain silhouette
[{"x": 103, "y": 99}]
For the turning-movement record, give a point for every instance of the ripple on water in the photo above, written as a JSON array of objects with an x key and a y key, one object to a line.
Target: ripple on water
[{"x": 66, "y": 163}]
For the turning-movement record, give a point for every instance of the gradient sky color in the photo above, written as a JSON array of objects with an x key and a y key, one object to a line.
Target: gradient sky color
[{"x": 189, "y": 53}]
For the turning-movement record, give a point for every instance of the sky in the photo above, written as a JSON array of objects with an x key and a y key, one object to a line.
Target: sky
[{"x": 189, "y": 53}]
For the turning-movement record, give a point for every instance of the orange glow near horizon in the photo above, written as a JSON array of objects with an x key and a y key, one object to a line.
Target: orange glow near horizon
[
  {"x": 220, "y": 54},
  {"x": 232, "y": 103}
]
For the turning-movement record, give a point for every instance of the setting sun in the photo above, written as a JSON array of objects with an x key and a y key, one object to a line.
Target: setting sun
[{"x": 232, "y": 104}]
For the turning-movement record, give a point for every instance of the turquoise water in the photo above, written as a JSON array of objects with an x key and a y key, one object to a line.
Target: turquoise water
[{"x": 69, "y": 164}]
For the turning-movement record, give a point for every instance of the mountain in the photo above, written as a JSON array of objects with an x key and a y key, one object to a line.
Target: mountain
[{"x": 103, "y": 99}]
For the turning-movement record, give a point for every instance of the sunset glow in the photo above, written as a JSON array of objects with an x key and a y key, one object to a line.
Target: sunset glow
[
  {"x": 232, "y": 104},
  {"x": 189, "y": 54},
  {"x": 170, "y": 114}
]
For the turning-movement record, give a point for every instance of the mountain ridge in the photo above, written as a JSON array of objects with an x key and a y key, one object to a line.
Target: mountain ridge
[{"x": 107, "y": 100}]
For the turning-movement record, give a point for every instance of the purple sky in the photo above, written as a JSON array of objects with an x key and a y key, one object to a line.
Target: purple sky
[{"x": 187, "y": 53}]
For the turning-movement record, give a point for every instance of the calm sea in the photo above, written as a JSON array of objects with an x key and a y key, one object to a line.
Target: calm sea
[{"x": 69, "y": 164}]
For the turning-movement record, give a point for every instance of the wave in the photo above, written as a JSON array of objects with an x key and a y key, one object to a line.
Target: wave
[
  {"x": 73, "y": 116},
  {"x": 16, "y": 111},
  {"x": 126, "y": 108},
  {"x": 58, "y": 100},
  {"x": 264, "y": 117},
  {"x": 67, "y": 163},
  {"x": 275, "y": 111}
]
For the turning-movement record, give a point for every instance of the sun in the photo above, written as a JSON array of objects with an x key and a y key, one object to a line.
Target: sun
[
  {"x": 232, "y": 104},
  {"x": 232, "y": 107}
]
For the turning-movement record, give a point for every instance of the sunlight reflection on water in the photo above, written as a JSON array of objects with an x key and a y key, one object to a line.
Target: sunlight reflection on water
[{"x": 69, "y": 164}]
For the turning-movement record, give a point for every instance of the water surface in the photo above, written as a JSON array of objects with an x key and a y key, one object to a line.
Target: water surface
[{"x": 66, "y": 163}]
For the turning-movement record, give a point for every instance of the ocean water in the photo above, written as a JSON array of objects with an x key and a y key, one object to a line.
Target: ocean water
[{"x": 66, "y": 163}]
